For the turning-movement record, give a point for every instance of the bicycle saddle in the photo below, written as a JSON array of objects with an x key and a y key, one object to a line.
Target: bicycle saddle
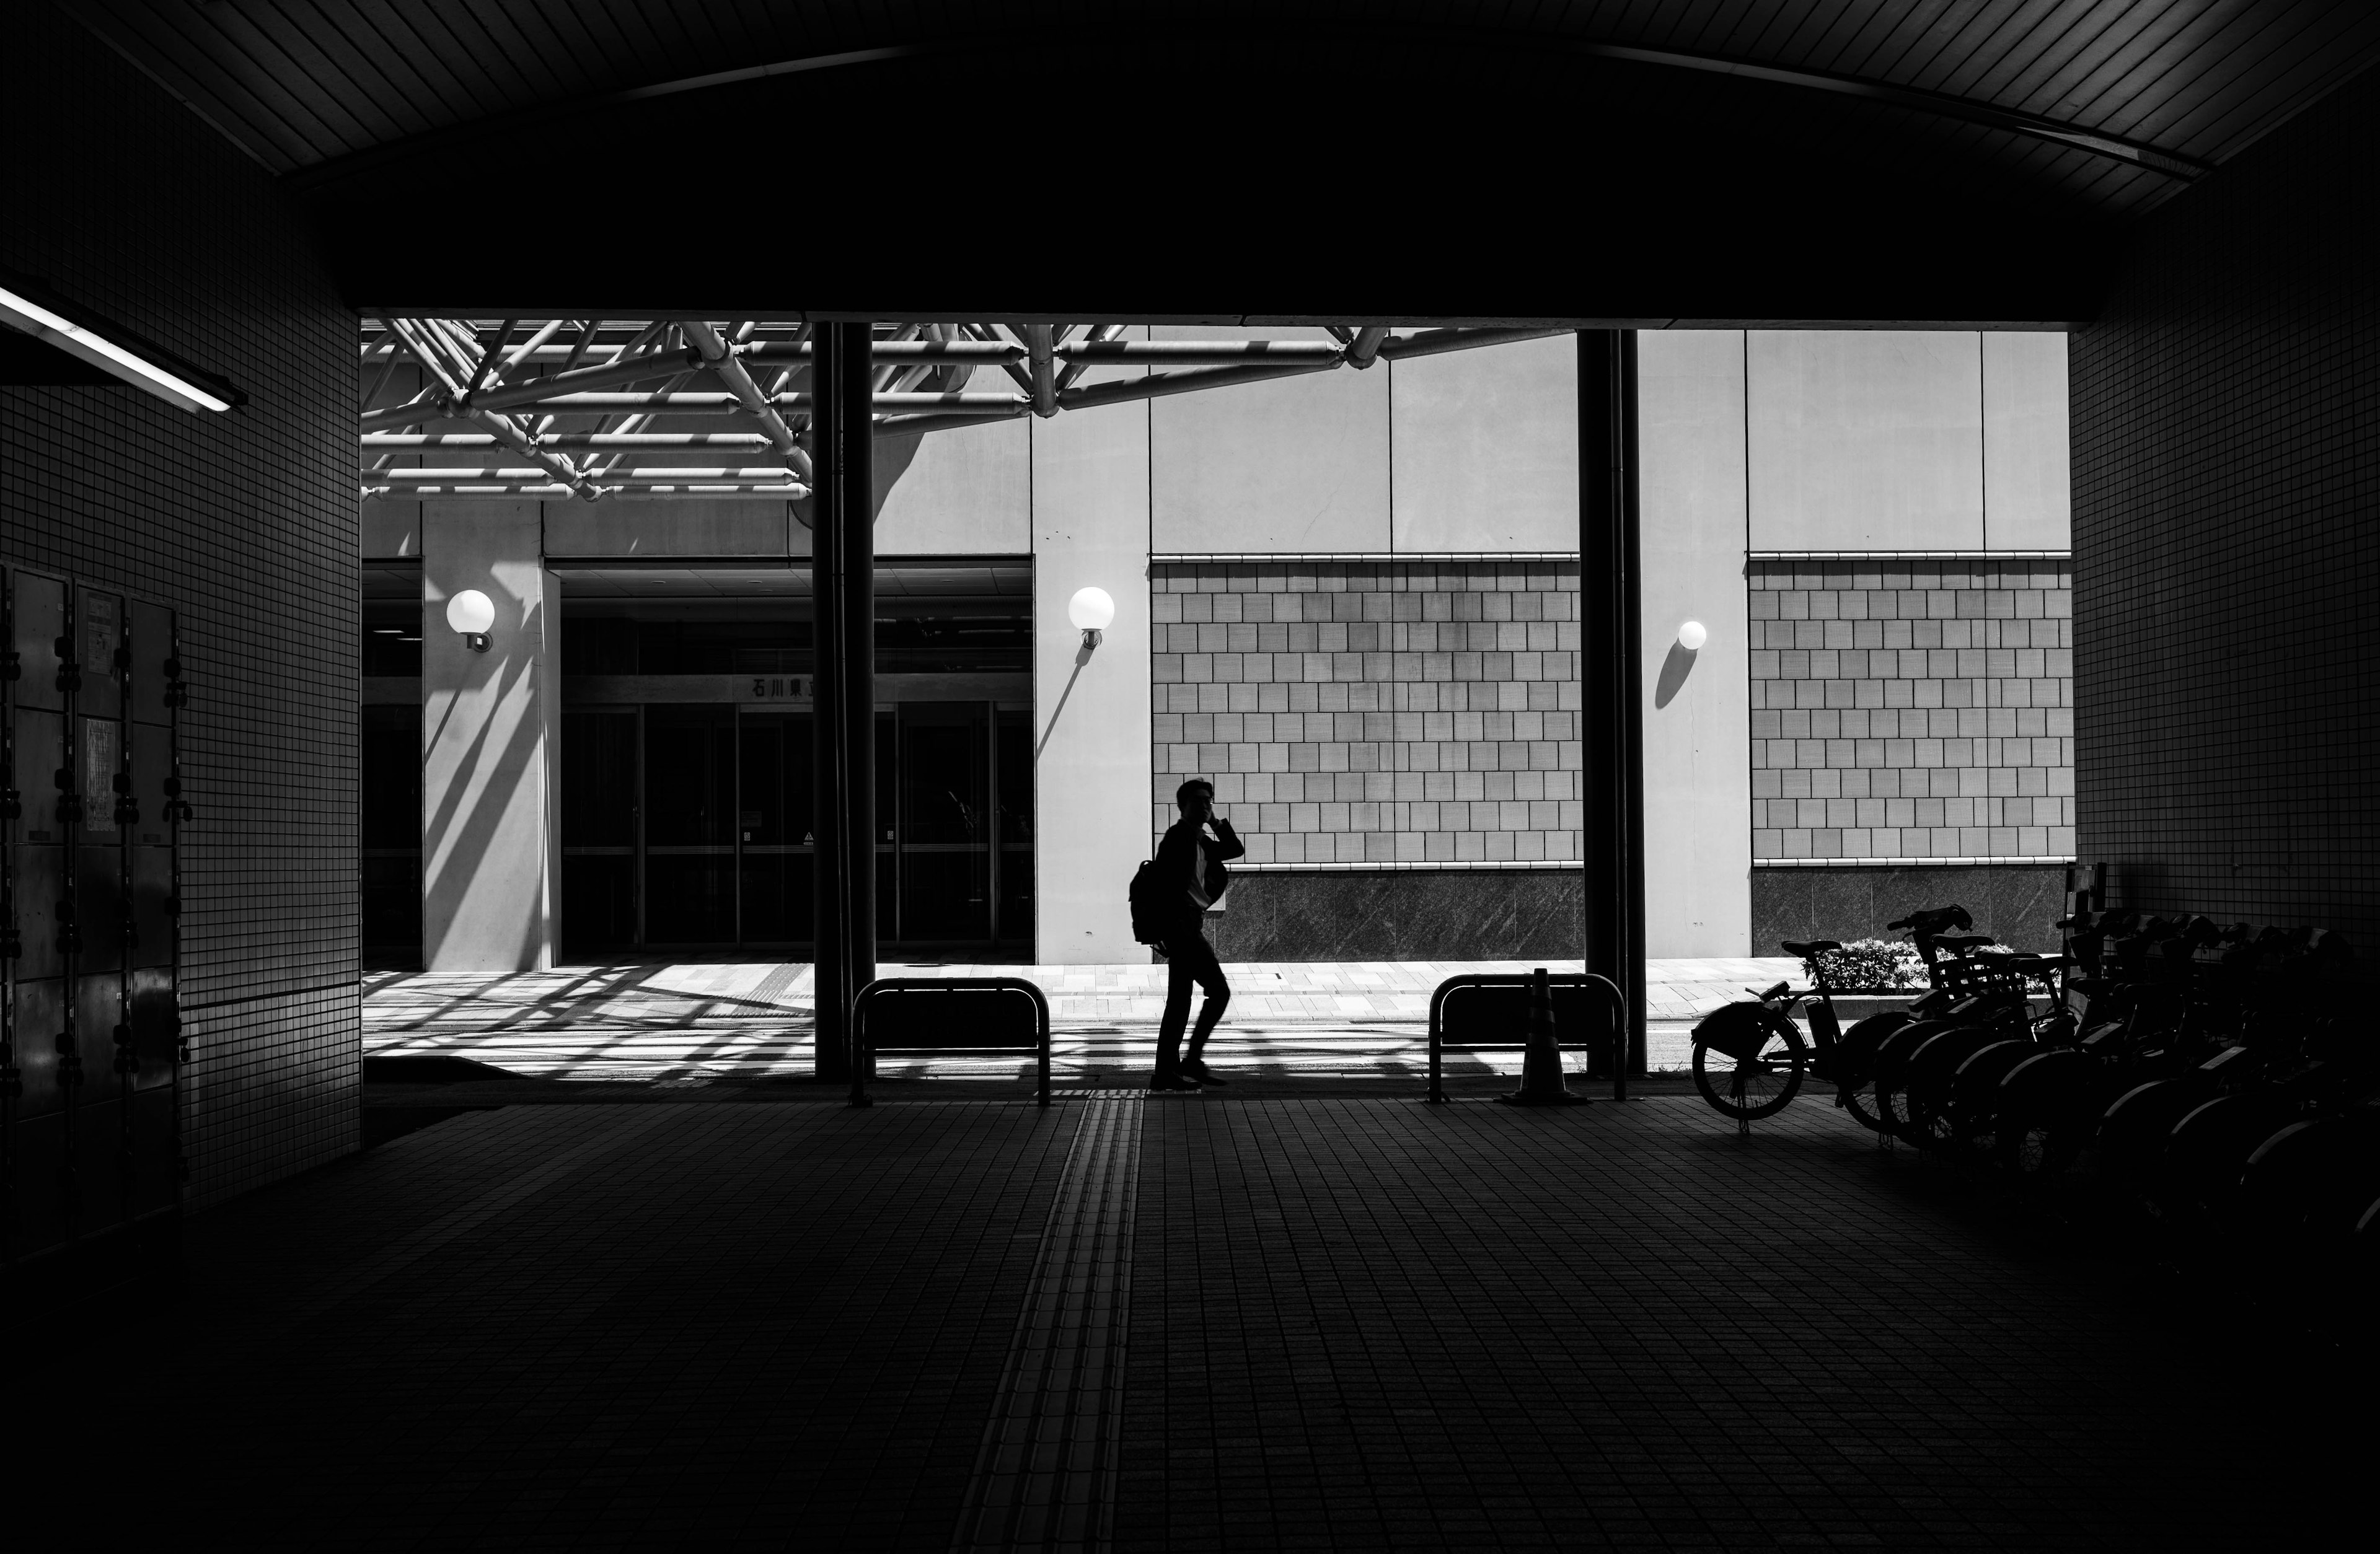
[{"x": 1805, "y": 951}]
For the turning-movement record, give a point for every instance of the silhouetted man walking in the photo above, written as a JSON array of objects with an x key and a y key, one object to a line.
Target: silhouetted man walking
[{"x": 1190, "y": 868}]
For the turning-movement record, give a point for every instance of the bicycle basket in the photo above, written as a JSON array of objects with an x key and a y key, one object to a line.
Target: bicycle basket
[{"x": 1735, "y": 1030}]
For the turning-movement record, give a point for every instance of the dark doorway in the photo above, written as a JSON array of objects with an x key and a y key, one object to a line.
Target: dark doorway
[
  {"x": 772, "y": 821},
  {"x": 599, "y": 830},
  {"x": 389, "y": 822},
  {"x": 688, "y": 827}
]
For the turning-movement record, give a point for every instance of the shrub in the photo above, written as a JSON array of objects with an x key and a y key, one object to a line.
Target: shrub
[{"x": 1876, "y": 963}]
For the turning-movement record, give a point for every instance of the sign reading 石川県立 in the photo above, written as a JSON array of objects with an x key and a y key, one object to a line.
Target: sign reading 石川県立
[{"x": 772, "y": 688}]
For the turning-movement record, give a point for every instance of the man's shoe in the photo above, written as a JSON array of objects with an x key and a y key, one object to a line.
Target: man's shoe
[
  {"x": 1172, "y": 1081},
  {"x": 1197, "y": 1069}
]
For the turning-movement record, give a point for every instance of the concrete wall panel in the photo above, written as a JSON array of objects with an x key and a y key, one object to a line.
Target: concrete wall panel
[
  {"x": 1090, "y": 527},
  {"x": 1484, "y": 448},
  {"x": 2028, "y": 472},
  {"x": 392, "y": 529},
  {"x": 1698, "y": 750},
  {"x": 625, "y": 527},
  {"x": 1865, "y": 440},
  {"x": 963, "y": 492},
  {"x": 491, "y": 740},
  {"x": 1297, "y": 465}
]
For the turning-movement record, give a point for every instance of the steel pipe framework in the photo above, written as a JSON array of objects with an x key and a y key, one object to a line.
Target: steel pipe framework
[{"x": 475, "y": 384}]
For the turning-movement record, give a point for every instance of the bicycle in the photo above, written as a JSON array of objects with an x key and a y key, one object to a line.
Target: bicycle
[{"x": 1750, "y": 1059}]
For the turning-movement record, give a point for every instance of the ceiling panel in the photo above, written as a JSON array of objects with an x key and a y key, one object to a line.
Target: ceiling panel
[{"x": 303, "y": 84}]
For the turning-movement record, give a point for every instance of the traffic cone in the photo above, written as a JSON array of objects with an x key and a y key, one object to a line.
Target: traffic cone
[{"x": 1541, "y": 1068}]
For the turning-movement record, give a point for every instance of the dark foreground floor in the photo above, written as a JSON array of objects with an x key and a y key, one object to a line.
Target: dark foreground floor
[{"x": 1353, "y": 1323}]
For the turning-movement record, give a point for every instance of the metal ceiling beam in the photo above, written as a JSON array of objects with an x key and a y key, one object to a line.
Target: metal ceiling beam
[
  {"x": 785, "y": 493},
  {"x": 712, "y": 401},
  {"x": 727, "y": 370},
  {"x": 512, "y": 436},
  {"x": 1044, "y": 370},
  {"x": 647, "y": 353},
  {"x": 641, "y": 472},
  {"x": 414, "y": 441}
]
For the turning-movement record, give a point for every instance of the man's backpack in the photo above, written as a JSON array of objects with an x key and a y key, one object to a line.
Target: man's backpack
[{"x": 1148, "y": 913}]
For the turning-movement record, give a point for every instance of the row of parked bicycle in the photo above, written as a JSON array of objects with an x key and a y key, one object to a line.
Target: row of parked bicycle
[{"x": 2209, "y": 1077}]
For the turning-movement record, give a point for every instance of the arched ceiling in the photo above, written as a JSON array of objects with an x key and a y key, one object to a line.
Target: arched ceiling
[{"x": 1811, "y": 161}]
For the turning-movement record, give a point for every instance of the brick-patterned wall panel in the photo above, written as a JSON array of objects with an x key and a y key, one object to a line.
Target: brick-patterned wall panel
[
  {"x": 1372, "y": 712},
  {"x": 246, "y": 524},
  {"x": 1911, "y": 709},
  {"x": 2226, "y": 533}
]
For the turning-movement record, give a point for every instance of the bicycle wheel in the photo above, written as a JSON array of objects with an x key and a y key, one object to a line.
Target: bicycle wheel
[
  {"x": 1859, "y": 1099},
  {"x": 1855, "y": 1061},
  {"x": 1759, "y": 1086}
]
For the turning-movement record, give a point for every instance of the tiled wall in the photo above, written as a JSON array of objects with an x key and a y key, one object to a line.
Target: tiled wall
[
  {"x": 246, "y": 524},
  {"x": 2227, "y": 533},
  {"x": 1911, "y": 709},
  {"x": 1373, "y": 714}
]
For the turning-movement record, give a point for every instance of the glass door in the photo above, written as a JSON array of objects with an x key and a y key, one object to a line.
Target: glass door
[
  {"x": 690, "y": 825},
  {"x": 945, "y": 821},
  {"x": 772, "y": 826},
  {"x": 690, "y": 818},
  {"x": 599, "y": 830}
]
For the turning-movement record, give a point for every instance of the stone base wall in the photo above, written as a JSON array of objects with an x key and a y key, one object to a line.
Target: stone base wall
[
  {"x": 2015, "y": 904},
  {"x": 1402, "y": 915}
]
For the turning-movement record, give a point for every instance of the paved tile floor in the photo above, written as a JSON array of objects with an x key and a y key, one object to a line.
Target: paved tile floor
[
  {"x": 1355, "y": 1322},
  {"x": 750, "y": 1020}
]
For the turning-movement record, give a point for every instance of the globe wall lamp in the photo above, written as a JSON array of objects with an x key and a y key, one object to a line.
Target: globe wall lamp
[
  {"x": 1091, "y": 611},
  {"x": 1691, "y": 637},
  {"x": 470, "y": 614}
]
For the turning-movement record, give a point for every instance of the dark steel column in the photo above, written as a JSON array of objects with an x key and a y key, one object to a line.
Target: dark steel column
[
  {"x": 842, "y": 559},
  {"x": 1613, "y": 844}
]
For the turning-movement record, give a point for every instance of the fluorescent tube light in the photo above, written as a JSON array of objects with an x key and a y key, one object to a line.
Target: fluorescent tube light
[{"x": 22, "y": 313}]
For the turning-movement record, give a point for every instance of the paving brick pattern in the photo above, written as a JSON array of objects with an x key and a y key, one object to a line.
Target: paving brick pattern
[
  {"x": 1911, "y": 709},
  {"x": 1354, "y": 1324},
  {"x": 1372, "y": 712},
  {"x": 678, "y": 1326},
  {"x": 1376, "y": 1325}
]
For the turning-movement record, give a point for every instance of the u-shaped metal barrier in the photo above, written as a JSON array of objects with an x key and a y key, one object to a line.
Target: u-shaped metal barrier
[
  {"x": 1453, "y": 988},
  {"x": 925, "y": 1003}
]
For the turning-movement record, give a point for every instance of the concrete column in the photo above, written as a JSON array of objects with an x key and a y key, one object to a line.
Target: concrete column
[
  {"x": 1611, "y": 843},
  {"x": 491, "y": 735},
  {"x": 1697, "y": 743},
  {"x": 1091, "y": 787},
  {"x": 845, "y": 743}
]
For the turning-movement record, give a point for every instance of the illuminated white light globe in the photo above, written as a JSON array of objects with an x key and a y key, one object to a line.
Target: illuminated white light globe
[
  {"x": 1090, "y": 609},
  {"x": 470, "y": 611},
  {"x": 1691, "y": 637}
]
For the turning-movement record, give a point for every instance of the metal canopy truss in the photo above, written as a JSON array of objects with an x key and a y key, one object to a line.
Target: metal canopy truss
[{"x": 695, "y": 407}]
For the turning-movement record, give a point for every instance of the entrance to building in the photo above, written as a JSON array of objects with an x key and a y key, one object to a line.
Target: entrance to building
[{"x": 687, "y": 826}]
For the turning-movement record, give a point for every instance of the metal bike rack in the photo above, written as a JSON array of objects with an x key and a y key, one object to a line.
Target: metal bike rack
[
  {"x": 1522, "y": 979},
  {"x": 963, "y": 998}
]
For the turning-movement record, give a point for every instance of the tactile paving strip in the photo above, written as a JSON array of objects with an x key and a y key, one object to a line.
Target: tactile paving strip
[{"x": 1045, "y": 1478}]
